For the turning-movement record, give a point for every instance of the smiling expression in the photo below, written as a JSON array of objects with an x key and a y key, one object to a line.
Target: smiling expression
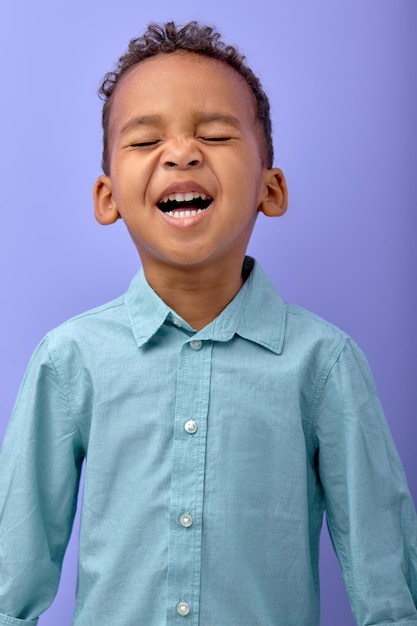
[{"x": 187, "y": 172}]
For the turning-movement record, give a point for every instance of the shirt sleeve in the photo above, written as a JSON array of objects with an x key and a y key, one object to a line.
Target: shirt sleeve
[
  {"x": 370, "y": 513},
  {"x": 40, "y": 466}
]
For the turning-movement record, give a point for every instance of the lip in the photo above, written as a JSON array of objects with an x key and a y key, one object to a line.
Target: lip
[{"x": 184, "y": 187}]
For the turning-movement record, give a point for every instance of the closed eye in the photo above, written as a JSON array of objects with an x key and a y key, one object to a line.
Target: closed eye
[
  {"x": 144, "y": 144},
  {"x": 214, "y": 139}
]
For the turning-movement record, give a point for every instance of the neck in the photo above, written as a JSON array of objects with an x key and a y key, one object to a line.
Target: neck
[{"x": 198, "y": 295}]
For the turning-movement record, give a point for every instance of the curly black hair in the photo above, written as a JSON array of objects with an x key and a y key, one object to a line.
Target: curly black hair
[{"x": 193, "y": 37}]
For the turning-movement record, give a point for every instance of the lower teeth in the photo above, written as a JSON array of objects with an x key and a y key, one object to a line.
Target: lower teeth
[{"x": 179, "y": 214}]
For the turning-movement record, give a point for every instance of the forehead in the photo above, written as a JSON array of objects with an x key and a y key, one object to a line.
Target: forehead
[{"x": 185, "y": 83}]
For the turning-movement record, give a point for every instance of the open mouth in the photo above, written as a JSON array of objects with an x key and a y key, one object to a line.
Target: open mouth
[{"x": 184, "y": 204}]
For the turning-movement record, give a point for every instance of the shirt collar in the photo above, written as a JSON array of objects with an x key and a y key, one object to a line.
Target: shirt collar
[{"x": 256, "y": 313}]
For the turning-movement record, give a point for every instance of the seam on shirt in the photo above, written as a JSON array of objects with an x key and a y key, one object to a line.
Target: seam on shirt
[
  {"x": 277, "y": 346},
  {"x": 274, "y": 346},
  {"x": 66, "y": 388},
  {"x": 8, "y": 620},
  {"x": 332, "y": 359},
  {"x": 55, "y": 368},
  {"x": 299, "y": 311},
  {"x": 134, "y": 324},
  {"x": 113, "y": 304},
  {"x": 226, "y": 325}
]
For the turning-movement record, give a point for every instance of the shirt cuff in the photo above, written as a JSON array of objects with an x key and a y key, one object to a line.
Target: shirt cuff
[{"x": 6, "y": 620}]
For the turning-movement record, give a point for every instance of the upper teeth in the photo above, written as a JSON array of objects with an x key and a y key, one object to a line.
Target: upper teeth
[{"x": 184, "y": 197}]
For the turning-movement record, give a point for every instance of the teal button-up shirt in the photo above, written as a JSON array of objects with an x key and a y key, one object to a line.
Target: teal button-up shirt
[{"x": 210, "y": 458}]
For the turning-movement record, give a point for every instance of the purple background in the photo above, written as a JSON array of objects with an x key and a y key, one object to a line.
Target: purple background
[{"x": 342, "y": 82}]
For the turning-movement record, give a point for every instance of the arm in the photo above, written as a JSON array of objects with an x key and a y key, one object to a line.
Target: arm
[
  {"x": 370, "y": 513},
  {"x": 40, "y": 467}
]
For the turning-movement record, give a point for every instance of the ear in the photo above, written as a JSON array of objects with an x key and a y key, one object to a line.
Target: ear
[
  {"x": 105, "y": 209},
  {"x": 275, "y": 199}
]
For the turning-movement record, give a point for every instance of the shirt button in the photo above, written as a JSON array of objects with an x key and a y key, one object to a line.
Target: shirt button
[
  {"x": 176, "y": 322},
  {"x": 195, "y": 344},
  {"x": 186, "y": 520},
  {"x": 183, "y": 608},
  {"x": 191, "y": 427}
]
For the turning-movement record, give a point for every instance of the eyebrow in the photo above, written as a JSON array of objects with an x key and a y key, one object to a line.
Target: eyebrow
[
  {"x": 205, "y": 118},
  {"x": 225, "y": 118},
  {"x": 143, "y": 120}
]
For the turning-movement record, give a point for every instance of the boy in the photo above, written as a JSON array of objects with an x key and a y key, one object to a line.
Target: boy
[{"x": 216, "y": 421}]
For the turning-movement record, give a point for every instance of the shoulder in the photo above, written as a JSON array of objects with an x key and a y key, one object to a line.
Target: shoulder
[
  {"x": 316, "y": 346},
  {"x": 329, "y": 350},
  {"x": 303, "y": 326},
  {"x": 81, "y": 339},
  {"x": 96, "y": 318}
]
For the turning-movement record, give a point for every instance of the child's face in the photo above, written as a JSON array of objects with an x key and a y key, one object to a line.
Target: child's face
[{"x": 183, "y": 127}]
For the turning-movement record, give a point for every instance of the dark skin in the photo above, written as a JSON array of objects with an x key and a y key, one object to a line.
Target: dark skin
[{"x": 201, "y": 145}]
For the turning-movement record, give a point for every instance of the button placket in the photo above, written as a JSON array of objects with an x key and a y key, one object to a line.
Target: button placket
[{"x": 187, "y": 481}]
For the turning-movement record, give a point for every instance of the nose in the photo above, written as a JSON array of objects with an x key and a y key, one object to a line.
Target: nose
[{"x": 182, "y": 154}]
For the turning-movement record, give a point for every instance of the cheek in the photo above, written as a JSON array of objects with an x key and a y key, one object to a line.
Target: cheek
[
  {"x": 127, "y": 179},
  {"x": 241, "y": 169},
  {"x": 248, "y": 181}
]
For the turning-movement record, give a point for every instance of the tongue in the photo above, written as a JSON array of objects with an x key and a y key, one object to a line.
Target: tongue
[{"x": 186, "y": 206}]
